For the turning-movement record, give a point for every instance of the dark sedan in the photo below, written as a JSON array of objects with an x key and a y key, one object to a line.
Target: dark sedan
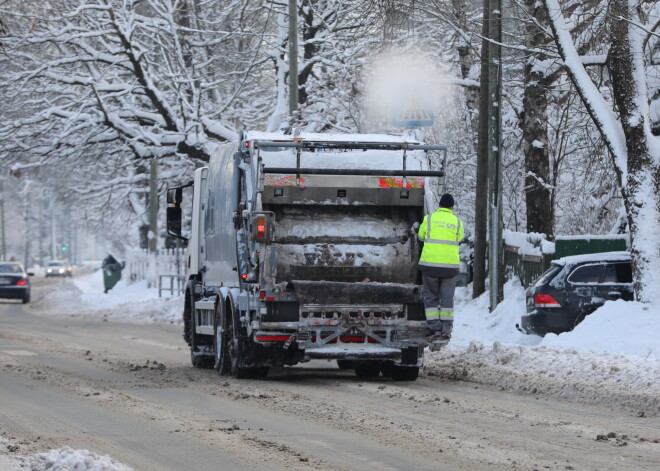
[
  {"x": 14, "y": 282},
  {"x": 574, "y": 287}
]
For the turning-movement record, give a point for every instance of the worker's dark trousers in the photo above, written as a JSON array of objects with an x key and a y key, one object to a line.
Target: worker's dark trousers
[{"x": 438, "y": 289}]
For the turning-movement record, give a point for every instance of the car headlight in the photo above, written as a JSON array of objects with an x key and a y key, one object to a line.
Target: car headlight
[{"x": 49, "y": 270}]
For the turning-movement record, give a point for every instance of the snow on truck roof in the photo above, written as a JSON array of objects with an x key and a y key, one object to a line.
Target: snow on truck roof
[
  {"x": 310, "y": 136},
  {"x": 593, "y": 257},
  {"x": 344, "y": 158}
]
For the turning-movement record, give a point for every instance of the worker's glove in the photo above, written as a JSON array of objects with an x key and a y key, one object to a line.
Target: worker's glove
[{"x": 415, "y": 227}]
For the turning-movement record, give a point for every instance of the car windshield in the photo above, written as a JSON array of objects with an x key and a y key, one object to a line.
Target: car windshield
[
  {"x": 11, "y": 268},
  {"x": 54, "y": 264}
]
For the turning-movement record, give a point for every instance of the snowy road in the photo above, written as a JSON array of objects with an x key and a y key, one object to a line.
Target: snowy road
[{"x": 127, "y": 390}]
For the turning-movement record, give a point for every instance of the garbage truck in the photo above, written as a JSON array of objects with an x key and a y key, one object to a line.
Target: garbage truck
[{"x": 303, "y": 246}]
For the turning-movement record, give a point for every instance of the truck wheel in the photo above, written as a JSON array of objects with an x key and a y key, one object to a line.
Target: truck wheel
[
  {"x": 345, "y": 364},
  {"x": 386, "y": 368},
  {"x": 367, "y": 369},
  {"x": 187, "y": 315},
  {"x": 221, "y": 336},
  {"x": 236, "y": 349},
  {"x": 405, "y": 373}
]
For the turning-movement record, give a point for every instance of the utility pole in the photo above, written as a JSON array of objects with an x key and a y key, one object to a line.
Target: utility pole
[
  {"x": 481, "y": 190},
  {"x": 40, "y": 228},
  {"x": 495, "y": 152},
  {"x": 2, "y": 219},
  {"x": 153, "y": 206},
  {"x": 27, "y": 225},
  {"x": 293, "y": 57},
  {"x": 53, "y": 239}
]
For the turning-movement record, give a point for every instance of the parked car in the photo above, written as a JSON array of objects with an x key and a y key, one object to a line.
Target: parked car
[
  {"x": 14, "y": 281},
  {"x": 58, "y": 268},
  {"x": 574, "y": 287}
]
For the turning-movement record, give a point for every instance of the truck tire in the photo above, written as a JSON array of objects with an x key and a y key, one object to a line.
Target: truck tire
[
  {"x": 222, "y": 338},
  {"x": 367, "y": 369},
  {"x": 187, "y": 315},
  {"x": 404, "y": 373},
  {"x": 236, "y": 348},
  {"x": 345, "y": 364}
]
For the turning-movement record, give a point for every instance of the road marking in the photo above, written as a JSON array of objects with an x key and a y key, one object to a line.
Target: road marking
[{"x": 19, "y": 353}]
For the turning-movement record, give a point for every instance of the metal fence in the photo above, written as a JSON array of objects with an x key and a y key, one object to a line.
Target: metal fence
[
  {"x": 526, "y": 256},
  {"x": 166, "y": 269}
]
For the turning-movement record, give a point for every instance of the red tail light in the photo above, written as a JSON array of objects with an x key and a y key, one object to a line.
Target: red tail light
[
  {"x": 261, "y": 228},
  {"x": 545, "y": 301},
  {"x": 21, "y": 283}
]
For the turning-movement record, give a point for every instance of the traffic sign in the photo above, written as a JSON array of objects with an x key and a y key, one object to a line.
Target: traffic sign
[{"x": 412, "y": 116}]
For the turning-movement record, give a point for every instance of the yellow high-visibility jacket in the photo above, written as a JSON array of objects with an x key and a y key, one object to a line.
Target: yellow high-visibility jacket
[{"x": 441, "y": 232}]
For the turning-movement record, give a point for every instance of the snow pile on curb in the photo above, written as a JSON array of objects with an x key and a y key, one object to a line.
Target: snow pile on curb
[
  {"x": 621, "y": 326},
  {"x": 128, "y": 302},
  {"x": 623, "y": 381},
  {"x": 612, "y": 358},
  {"x": 68, "y": 459}
]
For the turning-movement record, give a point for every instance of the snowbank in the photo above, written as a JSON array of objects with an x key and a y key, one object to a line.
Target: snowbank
[
  {"x": 612, "y": 358},
  {"x": 618, "y": 326},
  {"x": 67, "y": 459},
  {"x": 128, "y": 302},
  {"x": 62, "y": 459}
]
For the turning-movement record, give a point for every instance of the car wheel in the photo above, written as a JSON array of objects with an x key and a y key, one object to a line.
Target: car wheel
[
  {"x": 26, "y": 299},
  {"x": 582, "y": 315}
]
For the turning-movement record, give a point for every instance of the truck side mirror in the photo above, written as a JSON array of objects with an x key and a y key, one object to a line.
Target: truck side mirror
[
  {"x": 174, "y": 222},
  {"x": 175, "y": 195}
]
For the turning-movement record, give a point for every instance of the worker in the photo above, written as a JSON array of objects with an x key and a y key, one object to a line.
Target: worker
[{"x": 439, "y": 263}]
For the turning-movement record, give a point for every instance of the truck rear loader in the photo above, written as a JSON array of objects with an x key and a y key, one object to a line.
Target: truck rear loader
[{"x": 303, "y": 247}]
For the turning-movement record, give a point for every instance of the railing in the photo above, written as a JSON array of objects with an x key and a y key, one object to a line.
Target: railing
[
  {"x": 172, "y": 283},
  {"x": 165, "y": 264}
]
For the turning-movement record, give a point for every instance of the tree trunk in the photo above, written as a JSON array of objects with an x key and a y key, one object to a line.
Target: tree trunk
[
  {"x": 481, "y": 191},
  {"x": 641, "y": 189},
  {"x": 534, "y": 125},
  {"x": 466, "y": 61}
]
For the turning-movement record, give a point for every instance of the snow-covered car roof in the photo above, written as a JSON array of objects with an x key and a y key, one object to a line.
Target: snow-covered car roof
[{"x": 593, "y": 257}]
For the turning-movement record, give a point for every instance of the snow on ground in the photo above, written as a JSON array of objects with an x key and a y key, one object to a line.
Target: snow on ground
[
  {"x": 62, "y": 459},
  {"x": 127, "y": 302},
  {"x": 612, "y": 358}
]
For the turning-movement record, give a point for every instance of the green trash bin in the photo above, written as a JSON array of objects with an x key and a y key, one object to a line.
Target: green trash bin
[{"x": 111, "y": 272}]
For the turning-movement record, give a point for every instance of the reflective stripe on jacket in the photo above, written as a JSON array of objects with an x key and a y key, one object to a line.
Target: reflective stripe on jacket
[{"x": 441, "y": 232}]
